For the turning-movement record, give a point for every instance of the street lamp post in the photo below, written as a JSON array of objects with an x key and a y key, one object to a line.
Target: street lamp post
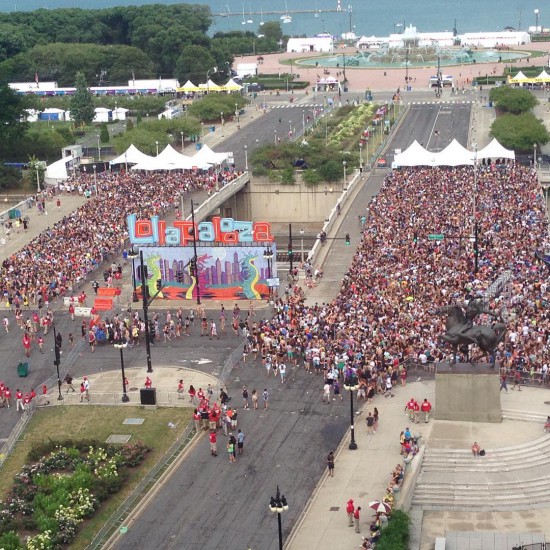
[
  {"x": 144, "y": 295},
  {"x": 352, "y": 384},
  {"x": 95, "y": 179},
  {"x": 237, "y": 117},
  {"x": 278, "y": 505},
  {"x": 290, "y": 248},
  {"x": 344, "y": 164},
  {"x": 360, "y": 154},
  {"x": 120, "y": 345},
  {"x": 37, "y": 179},
  {"x": 221, "y": 121},
  {"x": 246, "y": 158},
  {"x": 212, "y": 70},
  {"x": 195, "y": 262},
  {"x": 302, "y": 245},
  {"x": 182, "y": 144},
  {"x": 268, "y": 255},
  {"x": 535, "y": 156},
  {"x": 275, "y": 133},
  {"x": 157, "y": 144},
  {"x": 537, "y": 11},
  {"x": 289, "y": 129},
  {"x": 57, "y": 362},
  {"x": 98, "y": 148},
  {"x": 303, "y": 123}
]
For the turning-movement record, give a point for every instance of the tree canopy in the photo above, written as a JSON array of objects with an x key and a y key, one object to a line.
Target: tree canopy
[
  {"x": 82, "y": 106},
  {"x": 513, "y": 100},
  {"x": 520, "y": 132}
]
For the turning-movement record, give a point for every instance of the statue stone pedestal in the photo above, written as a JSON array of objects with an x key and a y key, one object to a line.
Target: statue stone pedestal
[{"x": 467, "y": 392}]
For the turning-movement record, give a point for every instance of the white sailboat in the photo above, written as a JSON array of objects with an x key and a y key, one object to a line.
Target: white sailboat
[
  {"x": 244, "y": 20},
  {"x": 261, "y": 17},
  {"x": 316, "y": 9},
  {"x": 250, "y": 21},
  {"x": 286, "y": 17},
  {"x": 227, "y": 12}
]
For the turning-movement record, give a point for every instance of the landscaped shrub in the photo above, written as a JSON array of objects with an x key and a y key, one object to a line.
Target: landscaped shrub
[
  {"x": 395, "y": 536},
  {"x": 60, "y": 489}
]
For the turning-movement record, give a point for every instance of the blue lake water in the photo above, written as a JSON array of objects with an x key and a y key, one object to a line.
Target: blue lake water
[{"x": 366, "y": 18}]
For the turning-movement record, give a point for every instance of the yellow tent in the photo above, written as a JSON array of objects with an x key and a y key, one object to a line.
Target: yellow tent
[
  {"x": 210, "y": 86},
  {"x": 188, "y": 87},
  {"x": 231, "y": 86}
]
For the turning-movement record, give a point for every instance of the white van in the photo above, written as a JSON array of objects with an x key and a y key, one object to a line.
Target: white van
[{"x": 446, "y": 80}]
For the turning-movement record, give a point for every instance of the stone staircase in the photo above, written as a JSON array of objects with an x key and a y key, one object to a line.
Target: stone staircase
[{"x": 510, "y": 478}]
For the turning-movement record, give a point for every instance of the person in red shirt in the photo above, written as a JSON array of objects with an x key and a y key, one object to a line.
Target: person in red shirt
[
  {"x": 180, "y": 389},
  {"x": 403, "y": 376},
  {"x": 7, "y": 396},
  {"x": 32, "y": 395},
  {"x": 409, "y": 407},
  {"x": 200, "y": 395},
  {"x": 27, "y": 344},
  {"x": 26, "y": 400},
  {"x": 426, "y": 407},
  {"x": 71, "y": 311},
  {"x": 148, "y": 382},
  {"x": 192, "y": 392},
  {"x": 356, "y": 518},
  {"x": 416, "y": 411},
  {"x": 40, "y": 342},
  {"x": 213, "y": 440},
  {"x": 350, "y": 509},
  {"x": 197, "y": 420}
]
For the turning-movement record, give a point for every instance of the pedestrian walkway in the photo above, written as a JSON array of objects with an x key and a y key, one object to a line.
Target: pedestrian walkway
[
  {"x": 40, "y": 222},
  {"x": 106, "y": 387},
  {"x": 364, "y": 474}
]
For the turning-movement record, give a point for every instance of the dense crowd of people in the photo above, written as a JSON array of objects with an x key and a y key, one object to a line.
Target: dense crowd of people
[
  {"x": 385, "y": 311},
  {"x": 63, "y": 255}
]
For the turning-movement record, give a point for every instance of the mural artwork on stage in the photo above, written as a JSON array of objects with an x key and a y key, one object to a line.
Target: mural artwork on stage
[{"x": 230, "y": 258}]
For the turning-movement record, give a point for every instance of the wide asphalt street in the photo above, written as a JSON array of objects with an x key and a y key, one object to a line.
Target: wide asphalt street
[{"x": 210, "y": 503}]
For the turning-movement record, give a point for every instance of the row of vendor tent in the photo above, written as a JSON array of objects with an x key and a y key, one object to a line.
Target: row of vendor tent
[
  {"x": 453, "y": 155},
  {"x": 520, "y": 78},
  {"x": 210, "y": 86},
  {"x": 170, "y": 159}
]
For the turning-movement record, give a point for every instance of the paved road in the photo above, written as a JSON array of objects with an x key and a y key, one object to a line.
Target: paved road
[{"x": 210, "y": 503}]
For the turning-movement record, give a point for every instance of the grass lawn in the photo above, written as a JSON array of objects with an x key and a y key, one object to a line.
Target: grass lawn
[{"x": 95, "y": 422}]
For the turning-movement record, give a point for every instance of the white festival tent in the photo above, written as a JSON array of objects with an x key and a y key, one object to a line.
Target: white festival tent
[
  {"x": 132, "y": 155},
  {"x": 206, "y": 155},
  {"x": 57, "y": 171},
  {"x": 454, "y": 155},
  {"x": 495, "y": 151},
  {"x": 414, "y": 155}
]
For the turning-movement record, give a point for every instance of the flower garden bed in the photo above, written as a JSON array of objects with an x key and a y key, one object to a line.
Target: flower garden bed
[
  {"x": 105, "y": 491},
  {"x": 53, "y": 494}
]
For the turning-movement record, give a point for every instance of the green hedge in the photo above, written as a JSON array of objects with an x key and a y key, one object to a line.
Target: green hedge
[{"x": 395, "y": 536}]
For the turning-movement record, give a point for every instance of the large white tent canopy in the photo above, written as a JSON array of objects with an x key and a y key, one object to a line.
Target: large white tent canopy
[
  {"x": 495, "y": 151},
  {"x": 453, "y": 155},
  {"x": 132, "y": 155}
]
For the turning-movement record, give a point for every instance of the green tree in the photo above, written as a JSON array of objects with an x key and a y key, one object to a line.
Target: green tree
[
  {"x": 12, "y": 129},
  {"x": 104, "y": 133},
  {"x": 272, "y": 31},
  {"x": 82, "y": 106},
  {"x": 331, "y": 170},
  {"x": 520, "y": 132},
  {"x": 193, "y": 63},
  {"x": 513, "y": 100},
  {"x": 129, "y": 124}
]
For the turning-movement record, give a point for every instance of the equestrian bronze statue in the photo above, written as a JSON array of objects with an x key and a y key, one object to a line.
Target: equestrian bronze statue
[{"x": 462, "y": 332}]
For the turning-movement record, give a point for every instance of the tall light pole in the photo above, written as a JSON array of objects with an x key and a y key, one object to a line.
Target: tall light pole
[
  {"x": 537, "y": 11},
  {"x": 98, "y": 148},
  {"x": 145, "y": 299},
  {"x": 221, "y": 121},
  {"x": 302, "y": 247},
  {"x": 246, "y": 158},
  {"x": 290, "y": 248},
  {"x": 275, "y": 133},
  {"x": 95, "y": 179},
  {"x": 360, "y": 154},
  {"x": 352, "y": 384},
  {"x": 268, "y": 255},
  {"x": 289, "y": 129},
  {"x": 278, "y": 505},
  {"x": 344, "y": 164},
  {"x": 475, "y": 239},
  {"x": 57, "y": 362},
  {"x": 157, "y": 144},
  {"x": 38, "y": 179},
  {"x": 208, "y": 72},
  {"x": 132, "y": 254},
  {"x": 182, "y": 145},
  {"x": 237, "y": 117},
  {"x": 535, "y": 156},
  {"x": 195, "y": 257},
  {"x": 303, "y": 123},
  {"x": 120, "y": 345}
]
